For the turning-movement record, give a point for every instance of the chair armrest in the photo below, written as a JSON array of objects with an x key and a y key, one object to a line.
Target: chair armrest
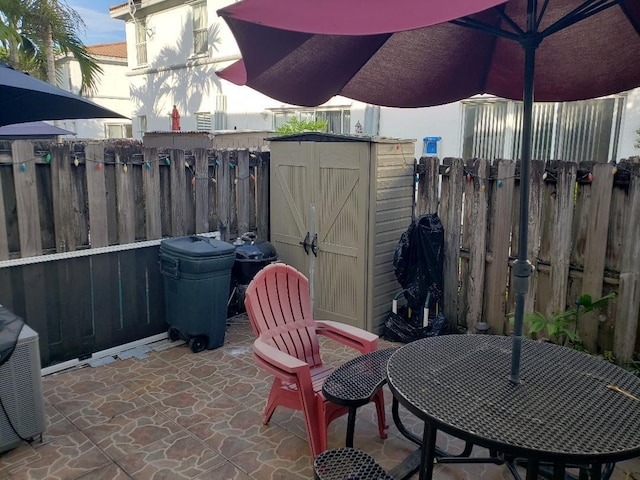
[
  {"x": 348, "y": 335},
  {"x": 277, "y": 361}
]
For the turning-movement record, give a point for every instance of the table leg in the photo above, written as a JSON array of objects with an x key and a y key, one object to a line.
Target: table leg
[
  {"x": 351, "y": 425},
  {"x": 428, "y": 451},
  {"x": 532, "y": 469}
]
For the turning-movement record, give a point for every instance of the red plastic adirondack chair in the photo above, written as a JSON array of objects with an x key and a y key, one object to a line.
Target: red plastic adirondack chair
[{"x": 277, "y": 302}]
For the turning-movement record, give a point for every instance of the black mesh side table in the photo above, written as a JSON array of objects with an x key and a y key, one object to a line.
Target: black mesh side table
[{"x": 356, "y": 382}]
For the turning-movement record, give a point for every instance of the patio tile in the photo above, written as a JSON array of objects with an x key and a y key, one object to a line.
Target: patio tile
[
  {"x": 109, "y": 472},
  {"x": 131, "y": 431},
  {"x": 281, "y": 455},
  {"x": 226, "y": 471},
  {"x": 176, "y": 456},
  {"x": 152, "y": 387},
  {"x": 178, "y": 415},
  {"x": 65, "y": 458},
  {"x": 194, "y": 405},
  {"x": 99, "y": 406},
  {"x": 234, "y": 430}
]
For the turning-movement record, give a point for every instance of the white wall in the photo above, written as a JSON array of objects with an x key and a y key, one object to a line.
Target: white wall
[
  {"x": 112, "y": 92},
  {"x": 175, "y": 76}
]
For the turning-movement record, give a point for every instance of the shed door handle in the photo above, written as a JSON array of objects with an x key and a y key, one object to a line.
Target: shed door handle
[{"x": 305, "y": 243}]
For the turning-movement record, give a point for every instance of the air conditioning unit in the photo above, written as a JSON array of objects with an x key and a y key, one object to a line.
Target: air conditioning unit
[{"x": 21, "y": 392}]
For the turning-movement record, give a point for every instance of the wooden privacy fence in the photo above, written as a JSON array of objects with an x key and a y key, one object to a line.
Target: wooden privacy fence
[
  {"x": 60, "y": 198},
  {"x": 69, "y": 217},
  {"x": 584, "y": 237}
]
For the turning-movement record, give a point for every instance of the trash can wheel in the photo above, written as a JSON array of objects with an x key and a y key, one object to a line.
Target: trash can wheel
[
  {"x": 173, "y": 334},
  {"x": 198, "y": 344}
]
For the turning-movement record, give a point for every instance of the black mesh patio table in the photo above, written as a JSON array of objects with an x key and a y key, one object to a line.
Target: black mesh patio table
[
  {"x": 354, "y": 383},
  {"x": 570, "y": 408}
]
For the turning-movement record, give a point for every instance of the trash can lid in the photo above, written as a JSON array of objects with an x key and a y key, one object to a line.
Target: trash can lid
[{"x": 197, "y": 246}]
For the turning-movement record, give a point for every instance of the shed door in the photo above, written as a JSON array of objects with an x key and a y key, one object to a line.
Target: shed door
[{"x": 336, "y": 178}]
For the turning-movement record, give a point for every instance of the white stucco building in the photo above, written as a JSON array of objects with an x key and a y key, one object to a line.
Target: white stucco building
[
  {"x": 174, "y": 49},
  {"x": 112, "y": 91}
]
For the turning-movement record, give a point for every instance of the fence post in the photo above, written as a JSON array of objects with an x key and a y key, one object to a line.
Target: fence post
[
  {"x": 244, "y": 191},
  {"x": 202, "y": 189},
  {"x": 97, "y": 195},
  {"x": 451, "y": 220},
  {"x": 151, "y": 185},
  {"x": 262, "y": 195},
  {"x": 628, "y": 301},
  {"x": 429, "y": 178},
  {"x": 223, "y": 191},
  {"x": 178, "y": 193},
  {"x": 24, "y": 178}
]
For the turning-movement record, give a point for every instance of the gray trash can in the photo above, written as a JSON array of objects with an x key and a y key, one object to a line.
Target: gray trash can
[{"x": 196, "y": 275}]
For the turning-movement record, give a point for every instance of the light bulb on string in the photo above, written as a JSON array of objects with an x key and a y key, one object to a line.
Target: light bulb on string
[
  {"x": 193, "y": 181},
  {"x": 217, "y": 163},
  {"x": 76, "y": 162},
  {"x": 148, "y": 165},
  {"x": 252, "y": 177},
  {"x": 469, "y": 178},
  {"x": 614, "y": 170},
  {"x": 213, "y": 180},
  {"x": 125, "y": 169},
  {"x": 23, "y": 167},
  {"x": 447, "y": 170},
  {"x": 545, "y": 175},
  {"x": 186, "y": 164},
  {"x": 590, "y": 177},
  {"x": 167, "y": 161},
  {"x": 99, "y": 167},
  {"x": 47, "y": 158},
  {"x": 499, "y": 183}
]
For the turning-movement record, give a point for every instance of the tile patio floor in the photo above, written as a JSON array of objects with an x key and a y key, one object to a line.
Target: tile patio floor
[{"x": 180, "y": 415}]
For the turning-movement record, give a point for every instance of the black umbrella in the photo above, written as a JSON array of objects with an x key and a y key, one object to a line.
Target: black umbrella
[
  {"x": 414, "y": 53},
  {"x": 26, "y": 99}
]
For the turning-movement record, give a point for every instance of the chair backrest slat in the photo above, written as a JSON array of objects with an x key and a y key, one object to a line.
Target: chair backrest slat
[{"x": 277, "y": 302}]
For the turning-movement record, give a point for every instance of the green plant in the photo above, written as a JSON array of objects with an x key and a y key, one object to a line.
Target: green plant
[
  {"x": 295, "y": 125},
  {"x": 563, "y": 327}
]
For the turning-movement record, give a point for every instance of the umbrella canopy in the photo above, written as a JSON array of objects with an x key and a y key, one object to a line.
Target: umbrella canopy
[
  {"x": 26, "y": 99},
  {"x": 400, "y": 54},
  {"x": 32, "y": 130},
  {"x": 415, "y": 53}
]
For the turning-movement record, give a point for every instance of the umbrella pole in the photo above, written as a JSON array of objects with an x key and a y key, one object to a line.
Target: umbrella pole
[{"x": 522, "y": 267}]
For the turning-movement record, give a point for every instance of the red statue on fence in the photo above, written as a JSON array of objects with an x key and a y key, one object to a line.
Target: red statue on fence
[{"x": 175, "y": 119}]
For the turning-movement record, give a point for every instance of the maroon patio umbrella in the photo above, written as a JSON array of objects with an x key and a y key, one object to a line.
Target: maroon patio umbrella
[{"x": 416, "y": 53}]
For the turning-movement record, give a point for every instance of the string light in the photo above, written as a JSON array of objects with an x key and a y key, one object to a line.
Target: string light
[
  {"x": 23, "y": 168},
  {"x": 76, "y": 162},
  {"x": 125, "y": 169},
  {"x": 99, "y": 167},
  {"x": 47, "y": 158},
  {"x": 148, "y": 165},
  {"x": 499, "y": 183}
]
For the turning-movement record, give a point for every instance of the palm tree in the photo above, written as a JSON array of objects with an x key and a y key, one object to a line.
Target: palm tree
[{"x": 33, "y": 32}]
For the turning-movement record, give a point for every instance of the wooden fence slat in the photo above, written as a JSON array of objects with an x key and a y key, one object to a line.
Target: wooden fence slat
[
  {"x": 451, "y": 218},
  {"x": 97, "y": 195},
  {"x": 62, "y": 196},
  {"x": 223, "y": 190},
  {"x": 478, "y": 247},
  {"x": 233, "y": 195},
  {"x": 561, "y": 223},
  {"x": 595, "y": 249},
  {"x": 628, "y": 300},
  {"x": 178, "y": 194},
  {"x": 497, "y": 271},
  {"x": 534, "y": 228},
  {"x": 202, "y": 190},
  {"x": 24, "y": 177},
  {"x": 124, "y": 196},
  {"x": 151, "y": 185},
  {"x": 428, "y": 185},
  {"x": 244, "y": 191}
]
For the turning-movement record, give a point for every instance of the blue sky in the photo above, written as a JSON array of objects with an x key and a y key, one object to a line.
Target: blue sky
[{"x": 101, "y": 28}]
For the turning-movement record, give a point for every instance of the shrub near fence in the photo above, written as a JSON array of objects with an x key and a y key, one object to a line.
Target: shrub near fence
[
  {"x": 64, "y": 207},
  {"x": 584, "y": 225}
]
